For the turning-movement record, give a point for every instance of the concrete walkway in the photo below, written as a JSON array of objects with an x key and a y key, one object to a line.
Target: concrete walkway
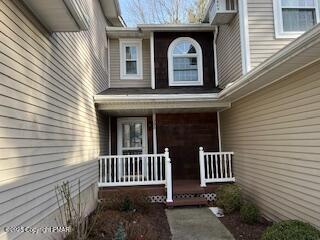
[{"x": 196, "y": 224}]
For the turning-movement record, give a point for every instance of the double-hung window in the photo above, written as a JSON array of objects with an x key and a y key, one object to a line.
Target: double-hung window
[
  {"x": 293, "y": 17},
  {"x": 130, "y": 59},
  {"x": 185, "y": 62}
]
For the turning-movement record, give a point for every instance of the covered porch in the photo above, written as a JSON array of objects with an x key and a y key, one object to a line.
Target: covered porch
[{"x": 168, "y": 142}]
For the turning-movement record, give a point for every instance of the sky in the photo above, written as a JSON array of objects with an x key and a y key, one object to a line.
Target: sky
[{"x": 127, "y": 14}]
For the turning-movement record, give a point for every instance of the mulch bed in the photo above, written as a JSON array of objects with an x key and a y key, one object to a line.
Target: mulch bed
[
  {"x": 243, "y": 231},
  {"x": 147, "y": 225}
]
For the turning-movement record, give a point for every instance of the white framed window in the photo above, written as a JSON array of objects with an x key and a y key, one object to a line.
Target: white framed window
[
  {"x": 185, "y": 63},
  {"x": 294, "y": 17},
  {"x": 130, "y": 58}
]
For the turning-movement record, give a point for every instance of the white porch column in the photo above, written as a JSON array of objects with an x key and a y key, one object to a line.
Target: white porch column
[
  {"x": 153, "y": 82},
  {"x": 168, "y": 176},
  {"x": 202, "y": 169}
]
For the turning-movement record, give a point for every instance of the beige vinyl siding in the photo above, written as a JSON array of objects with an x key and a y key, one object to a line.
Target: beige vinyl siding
[
  {"x": 275, "y": 136},
  {"x": 263, "y": 43},
  {"x": 229, "y": 53},
  {"x": 50, "y": 130},
  {"x": 115, "y": 81}
]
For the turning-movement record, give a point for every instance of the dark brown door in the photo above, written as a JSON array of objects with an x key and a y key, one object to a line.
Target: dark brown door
[{"x": 183, "y": 134}]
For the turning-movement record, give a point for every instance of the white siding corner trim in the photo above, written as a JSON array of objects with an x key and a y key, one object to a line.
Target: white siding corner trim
[
  {"x": 153, "y": 78},
  {"x": 244, "y": 36}
]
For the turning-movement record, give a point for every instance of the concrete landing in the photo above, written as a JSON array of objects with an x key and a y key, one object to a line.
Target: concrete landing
[{"x": 196, "y": 224}]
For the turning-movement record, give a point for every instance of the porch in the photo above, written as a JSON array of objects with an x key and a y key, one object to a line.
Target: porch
[{"x": 165, "y": 143}]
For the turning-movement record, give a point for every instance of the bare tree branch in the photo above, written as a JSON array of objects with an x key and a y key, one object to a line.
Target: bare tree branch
[{"x": 157, "y": 11}]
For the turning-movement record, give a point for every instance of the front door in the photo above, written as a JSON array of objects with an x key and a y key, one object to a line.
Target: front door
[
  {"x": 183, "y": 134},
  {"x": 132, "y": 136}
]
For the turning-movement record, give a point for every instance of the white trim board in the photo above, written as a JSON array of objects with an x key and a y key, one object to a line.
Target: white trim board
[
  {"x": 153, "y": 78},
  {"x": 244, "y": 36}
]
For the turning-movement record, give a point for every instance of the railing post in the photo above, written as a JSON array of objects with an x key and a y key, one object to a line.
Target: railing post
[
  {"x": 168, "y": 175},
  {"x": 202, "y": 169}
]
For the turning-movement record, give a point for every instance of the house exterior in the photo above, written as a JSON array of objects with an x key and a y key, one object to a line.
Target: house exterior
[{"x": 235, "y": 98}]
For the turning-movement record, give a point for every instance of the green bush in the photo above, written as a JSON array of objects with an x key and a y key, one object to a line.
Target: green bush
[
  {"x": 120, "y": 233},
  {"x": 229, "y": 198},
  {"x": 291, "y": 230},
  {"x": 126, "y": 205},
  {"x": 249, "y": 213}
]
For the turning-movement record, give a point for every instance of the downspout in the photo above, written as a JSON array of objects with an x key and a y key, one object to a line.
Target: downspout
[
  {"x": 219, "y": 132},
  {"x": 215, "y": 38}
]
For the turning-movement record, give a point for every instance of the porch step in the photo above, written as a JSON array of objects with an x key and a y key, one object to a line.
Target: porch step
[{"x": 194, "y": 201}]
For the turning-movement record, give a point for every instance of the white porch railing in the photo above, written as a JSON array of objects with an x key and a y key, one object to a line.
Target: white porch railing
[
  {"x": 215, "y": 167},
  {"x": 133, "y": 170}
]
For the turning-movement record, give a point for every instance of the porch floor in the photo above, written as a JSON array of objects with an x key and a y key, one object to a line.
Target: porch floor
[{"x": 179, "y": 187}]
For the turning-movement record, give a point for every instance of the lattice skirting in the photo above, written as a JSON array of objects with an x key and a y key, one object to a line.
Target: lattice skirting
[
  {"x": 162, "y": 198},
  {"x": 158, "y": 199}
]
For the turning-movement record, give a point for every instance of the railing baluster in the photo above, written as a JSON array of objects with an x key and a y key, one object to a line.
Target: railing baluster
[
  {"x": 152, "y": 168},
  {"x": 206, "y": 163},
  {"x": 230, "y": 169},
  {"x": 225, "y": 166},
  {"x": 143, "y": 169},
  {"x": 109, "y": 169},
  {"x": 138, "y": 170},
  {"x": 128, "y": 169},
  {"x": 106, "y": 170},
  {"x": 114, "y": 170},
  {"x": 156, "y": 167},
  {"x": 123, "y": 170},
  {"x": 161, "y": 167},
  {"x": 221, "y": 171},
  {"x": 212, "y": 168},
  {"x": 147, "y": 165},
  {"x": 134, "y": 168},
  {"x": 118, "y": 169},
  {"x": 217, "y": 166}
]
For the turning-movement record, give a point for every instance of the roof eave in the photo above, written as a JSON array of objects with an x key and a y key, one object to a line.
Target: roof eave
[
  {"x": 112, "y": 12},
  {"x": 176, "y": 27},
  {"x": 156, "y": 97}
]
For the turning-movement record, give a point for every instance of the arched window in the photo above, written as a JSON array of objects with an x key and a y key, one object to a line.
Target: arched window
[{"x": 185, "y": 63}]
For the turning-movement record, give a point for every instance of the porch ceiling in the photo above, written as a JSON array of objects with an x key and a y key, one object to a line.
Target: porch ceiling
[{"x": 154, "y": 102}]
